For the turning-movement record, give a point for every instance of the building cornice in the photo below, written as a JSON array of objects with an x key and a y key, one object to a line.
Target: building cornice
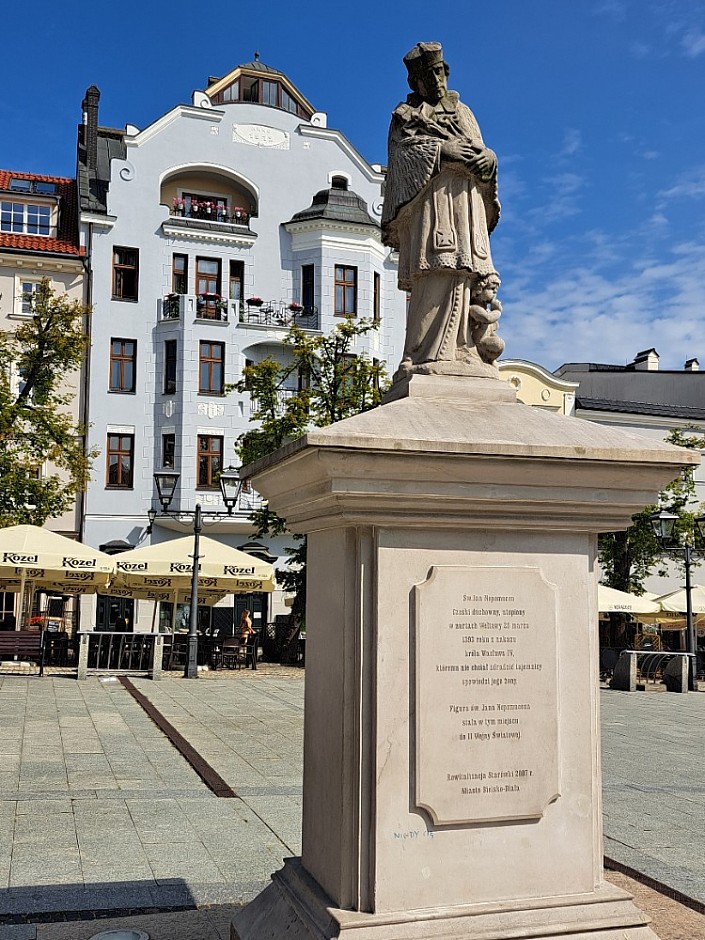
[
  {"x": 338, "y": 236},
  {"x": 242, "y": 239},
  {"x": 211, "y": 115},
  {"x": 95, "y": 218},
  {"x": 533, "y": 368},
  {"x": 52, "y": 262},
  {"x": 335, "y": 225},
  {"x": 635, "y": 420}
]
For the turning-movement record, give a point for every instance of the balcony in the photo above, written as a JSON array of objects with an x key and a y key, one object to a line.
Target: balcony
[
  {"x": 280, "y": 314},
  {"x": 193, "y": 306},
  {"x": 209, "y": 211},
  {"x": 283, "y": 395},
  {"x": 209, "y": 222},
  {"x": 249, "y": 500}
]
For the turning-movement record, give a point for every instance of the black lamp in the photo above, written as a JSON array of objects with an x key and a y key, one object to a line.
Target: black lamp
[
  {"x": 663, "y": 523},
  {"x": 230, "y": 486},
  {"x": 166, "y": 481}
]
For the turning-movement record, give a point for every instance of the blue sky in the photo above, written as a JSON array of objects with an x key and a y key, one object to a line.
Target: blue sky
[{"x": 594, "y": 109}]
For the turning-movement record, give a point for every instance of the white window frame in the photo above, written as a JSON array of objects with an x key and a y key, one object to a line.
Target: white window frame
[
  {"x": 24, "y": 227},
  {"x": 21, "y": 308}
]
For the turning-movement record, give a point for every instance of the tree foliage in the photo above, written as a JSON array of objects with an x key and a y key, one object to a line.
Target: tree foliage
[
  {"x": 324, "y": 379},
  {"x": 628, "y": 558},
  {"x": 42, "y": 460}
]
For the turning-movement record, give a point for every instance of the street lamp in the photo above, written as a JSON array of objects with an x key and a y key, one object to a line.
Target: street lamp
[
  {"x": 663, "y": 524},
  {"x": 166, "y": 482}
]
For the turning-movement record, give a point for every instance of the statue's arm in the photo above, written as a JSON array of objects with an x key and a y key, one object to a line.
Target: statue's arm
[
  {"x": 481, "y": 315},
  {"x": 479, "y": 160}
]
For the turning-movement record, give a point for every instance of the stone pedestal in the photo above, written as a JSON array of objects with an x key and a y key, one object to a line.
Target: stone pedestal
[
  {"x": 624, "y": 675},
  {"x": 675, "y": 675},
  {"x": 451, "y": 755}
]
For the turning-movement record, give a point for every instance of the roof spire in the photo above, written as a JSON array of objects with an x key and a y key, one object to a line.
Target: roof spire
[{"x": 256, "y": 56}]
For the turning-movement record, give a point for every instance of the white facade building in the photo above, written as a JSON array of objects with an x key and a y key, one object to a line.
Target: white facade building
[{"x": 244, "y": 194}]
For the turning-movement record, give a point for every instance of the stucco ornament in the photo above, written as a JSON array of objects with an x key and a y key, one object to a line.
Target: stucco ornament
[{"x": 439, "y": 209}]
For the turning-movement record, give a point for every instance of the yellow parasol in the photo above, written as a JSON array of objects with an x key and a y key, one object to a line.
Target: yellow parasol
[
  {"x": 610, "y": 599},
  {"x": 167, "y": 566},
  {"x": 33, "y": 557}
]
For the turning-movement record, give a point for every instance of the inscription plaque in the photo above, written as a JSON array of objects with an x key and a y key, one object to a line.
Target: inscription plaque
[
  {"x": 486, "y": 694},
  {"x": 259, "y": 135}
]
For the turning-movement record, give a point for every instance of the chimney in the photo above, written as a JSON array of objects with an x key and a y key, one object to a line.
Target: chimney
[
  {"x": 90, "y": 120},
  {"x": 692, "y": 365},
  {"x": 646, "y": 360}
]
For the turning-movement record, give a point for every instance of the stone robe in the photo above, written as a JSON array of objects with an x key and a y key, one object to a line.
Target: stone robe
[{"x": 438, "y": 216}]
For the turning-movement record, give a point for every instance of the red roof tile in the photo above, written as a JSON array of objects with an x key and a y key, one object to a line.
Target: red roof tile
[{"x": 66, "y": 242}]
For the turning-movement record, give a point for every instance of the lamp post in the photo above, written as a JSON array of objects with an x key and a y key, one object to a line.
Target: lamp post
[
  {"x": 663, "y": 523},
  {"x": 230, "y": 486}
]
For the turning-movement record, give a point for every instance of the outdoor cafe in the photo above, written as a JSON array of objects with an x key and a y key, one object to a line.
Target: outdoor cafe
[
  {"x": 49, "y": 573},
  {"x": 651, "y": 627}
]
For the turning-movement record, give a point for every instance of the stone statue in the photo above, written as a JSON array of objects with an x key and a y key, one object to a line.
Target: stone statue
[{"x": 440, "y": 206}]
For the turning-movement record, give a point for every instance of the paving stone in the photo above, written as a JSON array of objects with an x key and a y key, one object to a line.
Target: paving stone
[
  {"x": 654, "y": 785},
  {"x": 18, "y": 932},
  {"x": 148, "y": 832}
]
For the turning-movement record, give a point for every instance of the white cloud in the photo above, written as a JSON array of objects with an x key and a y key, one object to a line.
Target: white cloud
[
  {"x": 553, "y": 316},
  {"x": 693, "y": 43},
  {"x": 572, "y": 142},
  {"x": 615, "y": 9},
  {"x": 689, "y": 185},
  {"x": 562, "y": 202}
]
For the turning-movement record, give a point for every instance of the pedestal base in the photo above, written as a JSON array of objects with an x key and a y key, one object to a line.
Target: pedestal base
[
  {"x": 451, "y": 745},
  {"x": 295, "y": 907}
]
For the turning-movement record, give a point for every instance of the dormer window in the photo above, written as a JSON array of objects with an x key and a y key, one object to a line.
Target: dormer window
[
  {"x": 18, "y": 185},
  {"x": 22, "y": 218},
  {"x": 261, "y": 90}
]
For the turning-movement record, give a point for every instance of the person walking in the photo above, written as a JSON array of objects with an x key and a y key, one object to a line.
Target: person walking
[{"x": 248, "y": 635}]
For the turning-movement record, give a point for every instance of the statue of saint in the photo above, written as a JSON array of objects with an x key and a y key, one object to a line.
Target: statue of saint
[{"x": 440, "y": 206}]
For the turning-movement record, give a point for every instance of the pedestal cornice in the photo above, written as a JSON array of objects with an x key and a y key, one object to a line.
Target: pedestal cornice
[{"x": 481, "y": 458}]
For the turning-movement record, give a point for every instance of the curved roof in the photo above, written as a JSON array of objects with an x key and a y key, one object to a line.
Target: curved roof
[
  {"x": 216, "y": 85},
  {"x": 336, "y": 205}
]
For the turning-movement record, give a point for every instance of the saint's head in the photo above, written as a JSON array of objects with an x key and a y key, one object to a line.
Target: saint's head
[{"x": 428, "y": 73}]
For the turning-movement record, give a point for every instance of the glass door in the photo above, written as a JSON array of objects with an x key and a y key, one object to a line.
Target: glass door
[{"x": 208, "y": 287}]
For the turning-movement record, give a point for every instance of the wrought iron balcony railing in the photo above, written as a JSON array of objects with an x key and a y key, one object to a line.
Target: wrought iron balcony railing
[
  {"x": 200, "y": 306},
  {"x": 209, "y": 212},
  {"x": 280, "y": 314}
]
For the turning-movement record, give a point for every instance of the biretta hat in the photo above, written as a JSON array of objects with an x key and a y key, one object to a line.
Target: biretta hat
[{"x": 424, "y": 55}]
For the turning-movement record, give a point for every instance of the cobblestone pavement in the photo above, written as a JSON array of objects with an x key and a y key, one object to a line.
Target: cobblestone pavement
[
  {"x": 100, "y": 814},
  {"x": 653, "y": 763}
]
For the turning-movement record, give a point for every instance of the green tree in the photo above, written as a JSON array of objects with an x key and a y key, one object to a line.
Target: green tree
[
  {"x": 628, "y": 558},
  {"x": 323, "y": 380},
  {"x": 42, "y": 460}
]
